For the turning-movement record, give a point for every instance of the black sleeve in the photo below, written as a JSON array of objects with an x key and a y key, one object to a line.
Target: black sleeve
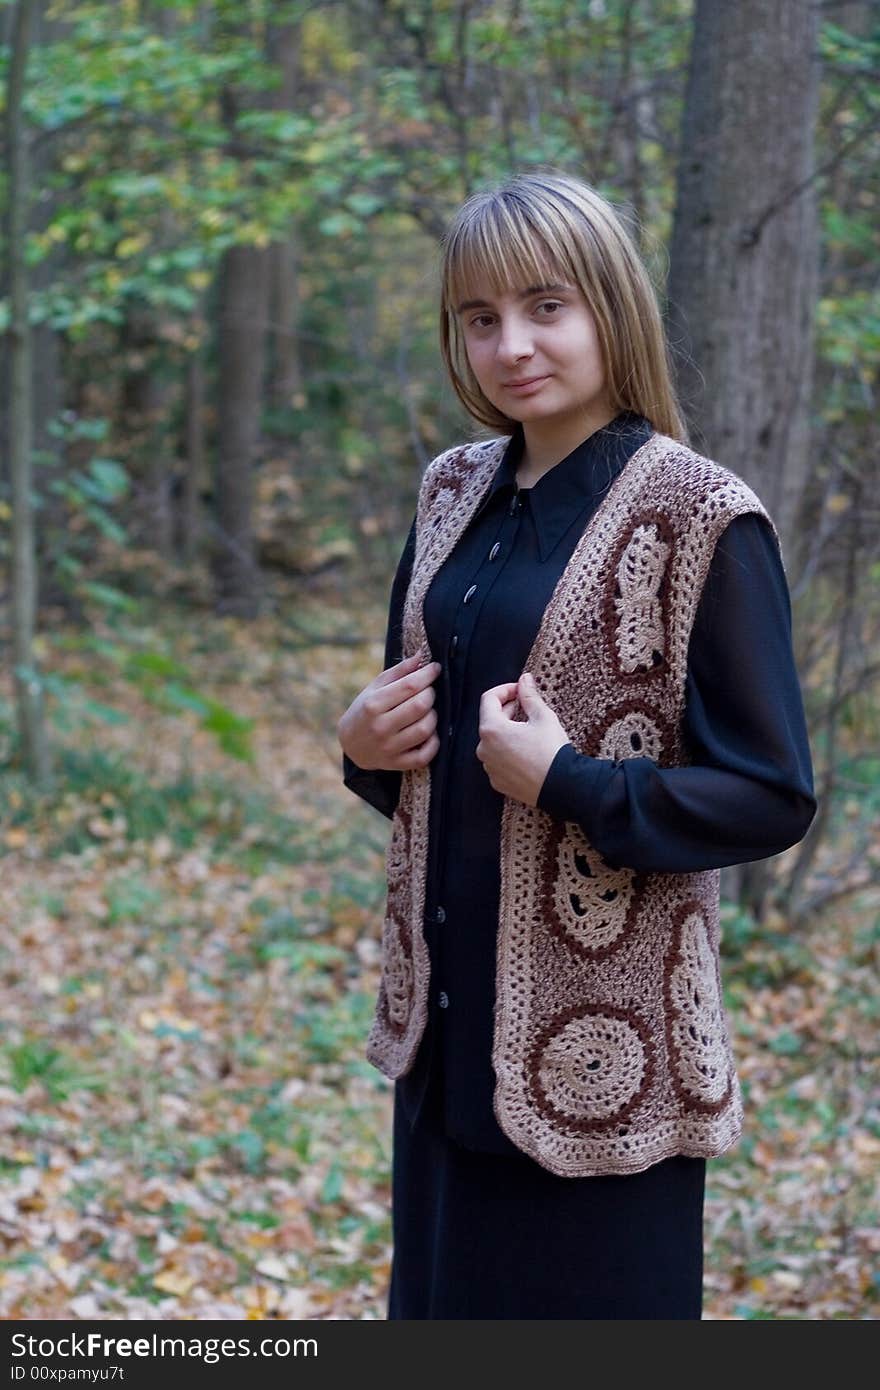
[
  {"x": 749, "y": 792},
  {"x": 379, "y": 787}
]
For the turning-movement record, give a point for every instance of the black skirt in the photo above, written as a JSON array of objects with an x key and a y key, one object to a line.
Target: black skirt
[{"x": 482, "y": 1235}]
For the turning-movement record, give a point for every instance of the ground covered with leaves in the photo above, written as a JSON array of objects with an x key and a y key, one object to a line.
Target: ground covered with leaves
[{"x": 188, "y": 964}]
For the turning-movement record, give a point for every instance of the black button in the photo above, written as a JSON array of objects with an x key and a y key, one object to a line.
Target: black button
[
  {"x": 495, "y": 549},
  {"x": 470, "y": 593},
  {"x": 449, "y": 730},
  {"x": 443, "y": 999},
  {"x": 441, "y": 915},
  {"x": 453, "y": 644}
]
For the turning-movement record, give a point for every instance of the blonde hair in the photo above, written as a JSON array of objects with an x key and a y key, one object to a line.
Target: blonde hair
[{"x": 546, "y": 226}]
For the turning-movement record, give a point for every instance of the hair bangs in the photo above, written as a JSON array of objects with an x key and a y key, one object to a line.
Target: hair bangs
[{"x": 497, "y": 249}]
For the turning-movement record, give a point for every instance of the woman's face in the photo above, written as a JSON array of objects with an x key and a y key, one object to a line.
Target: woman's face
[{"x": 535, "y": 353}]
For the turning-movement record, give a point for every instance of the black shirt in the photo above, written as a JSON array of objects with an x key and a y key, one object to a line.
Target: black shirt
[{"x": 748, "y": 794}]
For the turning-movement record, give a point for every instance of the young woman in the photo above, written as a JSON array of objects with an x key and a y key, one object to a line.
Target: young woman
[{"x": 589, "y": 704}]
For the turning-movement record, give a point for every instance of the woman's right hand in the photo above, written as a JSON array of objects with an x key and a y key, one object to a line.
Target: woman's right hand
[{"x": 391, "y": 724}]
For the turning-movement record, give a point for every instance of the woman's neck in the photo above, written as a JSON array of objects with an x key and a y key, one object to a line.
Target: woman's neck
[{"x": 546, "y": 443}]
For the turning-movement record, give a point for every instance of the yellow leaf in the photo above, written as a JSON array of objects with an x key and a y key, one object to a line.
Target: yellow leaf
[
  {"x": 272, "y": 1267},
  {"x": 173, "y": 1281},
  {"x": 866, "y": 1144},
  {"x": 129, "y": 246},
  {"x": 763, "y": 1155},
  {"x": 153, "y": 1199}
]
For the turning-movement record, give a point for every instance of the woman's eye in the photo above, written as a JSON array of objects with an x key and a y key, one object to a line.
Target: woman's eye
[
  {"x": 480, "y": 321},
  {"x": 551, "y": 304}
]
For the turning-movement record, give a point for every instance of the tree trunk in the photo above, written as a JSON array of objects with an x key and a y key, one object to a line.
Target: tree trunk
[
  {"x": 743, "y": 278},
  {"x": 285, "y": 375},
  {"x": 242, "y": 306},
  {"x": 28, "y": 688},
  {"x": 148, "y": 389},
  {"x": 47, "y": 369},
  {"x": 145, "y": 410},
  {"x": 242, "y": 312},
  {"x": 195, "y": 467}
]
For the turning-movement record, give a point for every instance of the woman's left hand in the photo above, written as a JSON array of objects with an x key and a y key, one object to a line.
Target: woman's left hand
[{"x": 517, "y": 754}]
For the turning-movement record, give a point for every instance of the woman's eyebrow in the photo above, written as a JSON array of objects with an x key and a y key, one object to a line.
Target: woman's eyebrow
[{"x": 523, "y": 294}]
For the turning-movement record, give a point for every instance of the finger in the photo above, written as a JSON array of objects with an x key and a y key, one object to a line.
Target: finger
[
  {"x": 387, "y": 695},
  {"x": 502, "y": 692},
  {"x": 401, "y": 668},
  {"x": 402, "y": 736},
  {"x": 419, "y": 756},
  {"x": 491, "y": 701},
  {"x": 404, "y": 714},
  {"x": 508, "y": 710}
]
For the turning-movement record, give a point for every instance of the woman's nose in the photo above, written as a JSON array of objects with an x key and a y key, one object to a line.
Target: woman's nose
[{"x": 514, "y": 340}]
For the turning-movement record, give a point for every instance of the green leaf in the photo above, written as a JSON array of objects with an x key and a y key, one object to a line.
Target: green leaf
[
  {"x": 184, "y": 697},
  {"x": 331, "y": 1189},
  {"x": 365, "y": 204},
  {"x": 110, "y": 477},
  {"x": 233, "y": 732},
  {"x": 105, "y": 713},
  {"x": 157, "y": 664},
  {"x": 339, "y": 224},
  {"x": 251, "y": 1149},
  {"x": 107, "y": 525},
  {"x": 110, "y": 597}
]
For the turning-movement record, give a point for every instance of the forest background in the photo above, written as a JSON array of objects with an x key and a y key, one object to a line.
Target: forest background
[{"x": 221, "y": 382}]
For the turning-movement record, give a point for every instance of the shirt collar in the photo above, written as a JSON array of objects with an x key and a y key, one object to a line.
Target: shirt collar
[{"x": 584, "y": 475}]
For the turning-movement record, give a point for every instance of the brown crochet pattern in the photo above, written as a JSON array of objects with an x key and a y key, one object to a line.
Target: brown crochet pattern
[{"x": 611, "y": 1048}]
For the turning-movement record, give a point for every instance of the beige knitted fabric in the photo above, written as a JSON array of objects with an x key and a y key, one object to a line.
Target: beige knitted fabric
[{"x": 611, "y": 1047}]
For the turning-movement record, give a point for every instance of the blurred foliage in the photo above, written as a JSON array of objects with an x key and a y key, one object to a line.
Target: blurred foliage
[{"x": 163, "y": 152}]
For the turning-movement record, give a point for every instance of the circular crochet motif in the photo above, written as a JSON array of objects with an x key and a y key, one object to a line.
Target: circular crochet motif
[
  {"x": 640, "y": 636},
  {"x": 397, "y": 975},
  {"x": 591, "y": 900},
  {"x": 592, "y": 1067},
  {"x": 696, "y": 1024},
  {"x": 635, "y": 735}
]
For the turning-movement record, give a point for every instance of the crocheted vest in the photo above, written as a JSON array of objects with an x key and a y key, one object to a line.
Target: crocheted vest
[{"x": 611, "y": 1048}]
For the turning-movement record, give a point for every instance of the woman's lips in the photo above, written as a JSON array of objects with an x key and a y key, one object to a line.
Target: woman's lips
[{"x": 524, "y": 388}]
